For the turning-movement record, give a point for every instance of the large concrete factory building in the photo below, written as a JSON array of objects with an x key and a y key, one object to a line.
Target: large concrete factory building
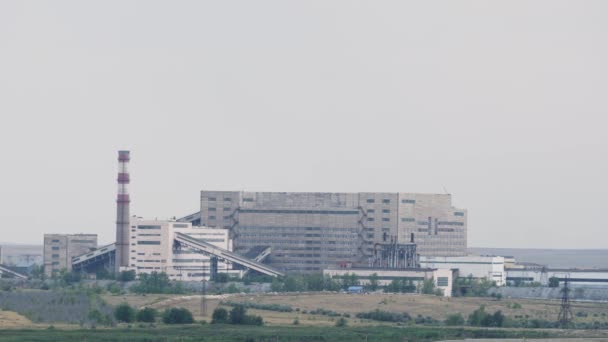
[{"x": 312, "y": 231}]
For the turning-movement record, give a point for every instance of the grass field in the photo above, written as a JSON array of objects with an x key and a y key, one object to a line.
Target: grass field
[
  {"x": 414, "y": 304},
  {"x": 279, "y": 325},
  {"x": 274, "y": 333}
]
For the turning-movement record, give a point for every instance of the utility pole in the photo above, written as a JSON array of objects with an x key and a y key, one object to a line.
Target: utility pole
[{"x": 564, "y": 319}]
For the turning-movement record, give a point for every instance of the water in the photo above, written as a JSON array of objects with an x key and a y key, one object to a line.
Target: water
[{"x": 554, "y": 258}]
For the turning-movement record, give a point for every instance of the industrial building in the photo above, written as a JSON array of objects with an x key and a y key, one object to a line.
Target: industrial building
[
  {"x": 183, "y": 251},
  {"x": 480, "y": 267},
  {"x": 541, "y": 275},
  {"x": 59, "y": 249},
  {"x": 309, "y": 232},
  {"x": 152, "y": 248},
  {"x": 443, "y": 278}
]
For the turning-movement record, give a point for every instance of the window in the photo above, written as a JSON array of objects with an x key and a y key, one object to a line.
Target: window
[
  {"x": 226, "y": 209},
  {"x": 55, "y": 248},
  {"x": 247, "y": 199},
  {"x": 371, "y": 211},
  {"x": 408, "y": 219},
  {"x": 55, "y": 255},
  {"x": 370, "y": 200},
  {"x": 211, "y": 199},
  {"x": 148, "y": 227},
  {"x": 386, "y": 219},
  {"x": 386, "y": 211},
  {"x": 227, "y": 199},
  {"x": 211, "y": 209},
  {"x": 148, "y": 242},
  {"x": 458, "y": 213},
  {"x": 82, "y": 241},
  {"x": 386, "y": 201},
  {"x": 180, "y": 225},
  {"x": 370, "y": 218},
  {"x": 212, "y": 217},
  {"x": 443, "y": 281},
  {"x": 410, "y": 201},
  {"x": 54, "y": 241},
  {"x": 370, "y": 236}
]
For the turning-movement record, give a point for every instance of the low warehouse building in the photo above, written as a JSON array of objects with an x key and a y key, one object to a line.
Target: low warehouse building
[
  {"x": 443, "y": 278},
  {"x": 480, "y": 267},
  {"x": 586, "y": 277}
]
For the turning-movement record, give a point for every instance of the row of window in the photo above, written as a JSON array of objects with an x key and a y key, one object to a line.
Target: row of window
[
  {"x": 213, "y": 199},
  {"x": 388, "y": 201},
  {"x": 384, "y": 219},
  {"x": 214, "y": 209},
  {"x": 297, "y": 211}
]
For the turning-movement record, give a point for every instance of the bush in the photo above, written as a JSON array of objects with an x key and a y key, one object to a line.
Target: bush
[
  {"x": 455, "y": 319},
  {"x": 385, "y": 316},
  {"x": 147, "y": 315},
  {"x": 126, "y": 275},
  {"x": 341, "y": 322},
  {"x": 296, "y": 321},
  {"x": 177, "y": 316},
  {"x": 220, "y": 315},
  {"x": 479, "y": 317},
  {"x": 238, "y": 315},
  {"x": 260, "y": 306},
  {"x": 124, "y": 313}
]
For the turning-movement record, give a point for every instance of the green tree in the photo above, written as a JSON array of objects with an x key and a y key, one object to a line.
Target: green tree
[
  {"x": 177, "y": 316},
  {"x": 124, "y": 313},
  {"x": 477, "y": 317},
  {"x": 373, "y": 282},
  {"x": 428, "y": 286},
  {"x": 341, "y": 322},
  {"x": 554, "y": 282},
  {"x": 220, "y": 315},
  {"x": 147, "y": 315},
  {"x": 455, "y": 319},
  {"x": 126, "y": 275},
  {"x": 237, "y": 314}
]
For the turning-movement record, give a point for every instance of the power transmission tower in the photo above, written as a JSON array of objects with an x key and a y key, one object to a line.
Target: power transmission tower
[{"x": 565, "y": 313}]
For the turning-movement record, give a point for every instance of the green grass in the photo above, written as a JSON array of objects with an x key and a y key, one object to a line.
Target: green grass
[{"x": 267, "y": 333}]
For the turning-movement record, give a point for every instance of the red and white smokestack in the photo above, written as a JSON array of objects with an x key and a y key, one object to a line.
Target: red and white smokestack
[{"x": 122, "y": 212}]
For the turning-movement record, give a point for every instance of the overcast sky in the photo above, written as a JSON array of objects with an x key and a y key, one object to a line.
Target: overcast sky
[{"x": 503, "y": 104}]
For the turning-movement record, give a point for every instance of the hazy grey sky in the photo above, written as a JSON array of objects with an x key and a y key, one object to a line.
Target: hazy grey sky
[{"x": 503, "y": 103}]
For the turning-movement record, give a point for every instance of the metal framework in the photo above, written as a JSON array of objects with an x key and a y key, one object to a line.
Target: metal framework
[
  {"x": 394, "y": 255},
  {"x": 564, "y": 319}
]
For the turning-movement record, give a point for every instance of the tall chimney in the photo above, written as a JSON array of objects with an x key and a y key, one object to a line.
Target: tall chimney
[{"x": 122, "y": 212}]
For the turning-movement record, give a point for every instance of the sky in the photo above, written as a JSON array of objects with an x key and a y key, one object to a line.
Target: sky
[{"x": 503, "y": 104}]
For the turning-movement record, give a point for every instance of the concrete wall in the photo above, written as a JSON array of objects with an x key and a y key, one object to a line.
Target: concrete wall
[
  {"x": 486, "y": 267},
  {"x": 59, "y": 249}
]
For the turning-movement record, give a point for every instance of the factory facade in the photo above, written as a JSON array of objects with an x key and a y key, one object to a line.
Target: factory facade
[
  {"x": 152, "y": 249},
  {"x": 59, "y": 249},
  {"x": 310, "y": 232}
]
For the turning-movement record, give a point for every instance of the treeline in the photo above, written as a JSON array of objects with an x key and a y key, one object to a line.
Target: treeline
[{"x": 238, "y": 315}]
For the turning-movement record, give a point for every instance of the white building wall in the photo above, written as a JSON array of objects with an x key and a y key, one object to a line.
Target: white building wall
[
  {"x": 482, "y": 267},
  {"x": 152, "y": 249},
  {"x": 443, "y": 278},
  {"x": 577, "y": 277}
]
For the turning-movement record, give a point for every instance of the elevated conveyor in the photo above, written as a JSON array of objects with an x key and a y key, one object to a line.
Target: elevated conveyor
[
  {"x": 105, "y": 255},
  {"x": 221, "y": 253},
  {"x": 6, "y": 270}
]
